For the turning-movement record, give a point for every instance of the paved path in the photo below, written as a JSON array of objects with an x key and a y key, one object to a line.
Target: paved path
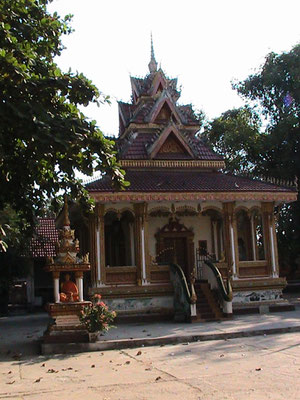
[
  {"x": 21, "y": 333},
  {"x": 260, "y": 368}
]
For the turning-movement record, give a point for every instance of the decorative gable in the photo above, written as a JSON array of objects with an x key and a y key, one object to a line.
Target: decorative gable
[
  {"x": 171, "y": 145},
  {"x": 170, "y": 141},
  {"x": 164, "y": 111},
  {"x": 158, "y": 84}
]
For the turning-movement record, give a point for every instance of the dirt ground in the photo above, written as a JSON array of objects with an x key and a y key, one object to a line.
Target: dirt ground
[{"x": 258, "y": 368}]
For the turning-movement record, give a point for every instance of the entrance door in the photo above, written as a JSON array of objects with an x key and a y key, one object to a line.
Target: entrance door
[{"x": 175, "y": 251}]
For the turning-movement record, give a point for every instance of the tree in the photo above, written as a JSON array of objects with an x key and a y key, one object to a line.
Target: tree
[
  {"x": 275, "y": 88},
  {"x": 44, "y": 138},
  {"x": 272, "y": 148},
  {"x": 235, "y": 135}
]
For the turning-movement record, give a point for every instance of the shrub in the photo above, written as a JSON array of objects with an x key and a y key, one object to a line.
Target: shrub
[{"x": 96, "y": 316}]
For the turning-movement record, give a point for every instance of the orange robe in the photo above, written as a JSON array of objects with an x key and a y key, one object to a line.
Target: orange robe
[{"x": 69, "y": 292}]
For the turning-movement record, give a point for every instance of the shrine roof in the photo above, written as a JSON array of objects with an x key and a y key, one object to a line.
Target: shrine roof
[
  {"x": 136, "y": 148},
  {"x": 43, "y": 242},
  {"x": 187, "y": 181},
  {"x": 127, "y": 110},
  {"x": 189, "y": 114}
]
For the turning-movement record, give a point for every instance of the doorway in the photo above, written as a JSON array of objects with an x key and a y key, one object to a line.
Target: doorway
[
  {"x": 174, "y": 244},
  {"x": 175, "y": 251}
]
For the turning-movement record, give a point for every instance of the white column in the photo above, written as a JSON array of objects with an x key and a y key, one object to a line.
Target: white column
[
  {"x": 56, "y": 290},
  {"x": 215, "y": 233},
  {"x": 253, "y": 234},
  {"x": 80, "y": 288},
  {"x": 98, "y": 263},
  {"x": 144, "y": 277},
  {"x": 272, "y": 246},
  {"x": 234, "y": 275},
  {"x": 221, "y": 227},
  {"x": 132, "y": 244}
]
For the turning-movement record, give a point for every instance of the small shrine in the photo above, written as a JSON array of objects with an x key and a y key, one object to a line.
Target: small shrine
[{"x": 68, "y": 295}]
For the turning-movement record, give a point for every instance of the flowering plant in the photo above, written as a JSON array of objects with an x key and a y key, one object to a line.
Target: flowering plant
[{"x": 96, "y": 316}]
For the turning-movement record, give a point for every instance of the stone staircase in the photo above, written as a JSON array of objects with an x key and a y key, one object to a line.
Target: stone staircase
[{"x": 208, "y": 308}]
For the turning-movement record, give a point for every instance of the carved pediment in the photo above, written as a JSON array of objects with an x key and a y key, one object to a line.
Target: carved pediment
[
  {"x": 171, "y": 146},
  {"x": 174, "y": 226},
  {"x": 68, "y": 259}
]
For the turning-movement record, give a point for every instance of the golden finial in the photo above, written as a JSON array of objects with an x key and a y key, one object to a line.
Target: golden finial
[{"x": 66, "y": 220}]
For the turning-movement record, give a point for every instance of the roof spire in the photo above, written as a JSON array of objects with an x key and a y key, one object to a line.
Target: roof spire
[
  {"x": 66, "y": 220},
  {"x": 152, "y": 64}
]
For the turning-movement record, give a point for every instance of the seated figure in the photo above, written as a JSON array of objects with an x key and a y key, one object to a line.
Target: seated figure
[{"x": 69, "y": 291}]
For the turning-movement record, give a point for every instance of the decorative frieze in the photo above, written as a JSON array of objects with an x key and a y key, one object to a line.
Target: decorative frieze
[
  {"x": 108, "y": 197},
  {"x": 206, "y": 164}
]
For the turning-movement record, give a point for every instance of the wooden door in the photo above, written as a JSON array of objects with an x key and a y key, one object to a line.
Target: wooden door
[{"x": 175, "y": 251}]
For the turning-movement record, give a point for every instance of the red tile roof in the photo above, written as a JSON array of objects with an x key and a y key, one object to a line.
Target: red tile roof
[
  {"x": 187, "y": 181},
  {"x": 45, "y": 238},
  {"x": 136, "y": 148}
]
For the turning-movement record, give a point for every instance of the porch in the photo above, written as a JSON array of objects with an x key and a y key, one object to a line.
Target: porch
[{"x": 133, "y": 244}]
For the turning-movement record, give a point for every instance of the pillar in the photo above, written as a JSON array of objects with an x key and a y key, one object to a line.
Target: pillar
[
  {"x": 253, "y": 235},
  {"x": 93, "y": 248},
  {"x": 230, "y": 238},
  {"x": 100, "y": 247},
  {"x": 215, "y": 237},
  {"x": 132, "y": 250},
  {"x": 142, "y": 253},
  {"x": 79, "y": 283},
  {"x": 56, "y": 287},
  {"x": 270, "y": 238}
]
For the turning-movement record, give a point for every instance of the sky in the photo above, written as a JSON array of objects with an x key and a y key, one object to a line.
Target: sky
[{"x": 206, "y": 44}]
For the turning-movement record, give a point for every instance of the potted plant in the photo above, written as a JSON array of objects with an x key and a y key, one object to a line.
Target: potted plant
[{"x": 97, "y": 318}]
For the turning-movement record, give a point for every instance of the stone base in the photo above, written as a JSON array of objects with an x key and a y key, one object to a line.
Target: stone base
[
  {"x": 256, "y": 296},
  {"x": 66, "y": 327}
]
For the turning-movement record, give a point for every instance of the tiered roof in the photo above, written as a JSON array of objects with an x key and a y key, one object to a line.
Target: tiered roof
[{"x": 161, "y": 150}]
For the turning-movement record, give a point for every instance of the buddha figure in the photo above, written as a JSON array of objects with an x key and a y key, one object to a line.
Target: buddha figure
[{"x": 69, "y": 291}]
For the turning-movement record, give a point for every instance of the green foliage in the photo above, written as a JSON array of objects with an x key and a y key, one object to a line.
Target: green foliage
[
  {"x": 97, "y": 317},
  {"x": 13, "y": 260},
  {"x": 44, "y": 138},
  {"x": 235, "y": 135}
]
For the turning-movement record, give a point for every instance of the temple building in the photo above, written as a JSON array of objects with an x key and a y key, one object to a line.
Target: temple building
[{"x": 181, "y": 209}]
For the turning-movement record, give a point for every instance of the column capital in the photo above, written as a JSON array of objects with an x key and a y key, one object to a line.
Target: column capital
[
  {"x": 55, "y": 274},
  {"x": 267, "y": 207},
  {"x": 99, "y": 210},
  {"x": 141, "y": 210},
  {"x": 228, "y": 210}
]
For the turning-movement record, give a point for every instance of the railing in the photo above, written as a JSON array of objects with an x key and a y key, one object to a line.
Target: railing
[
  {"x": 201, "y": 258},
  {"x": 206, "y": 269},
  {"x": 184, "y": 298}
]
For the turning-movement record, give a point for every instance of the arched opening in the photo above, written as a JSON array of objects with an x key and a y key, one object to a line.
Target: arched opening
[
  {"x": 119, "y": 239},
  {"x": 258, "y": 235},
  {"x": 217, "y": 234},
  {"x": 244, "y": 236}
]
